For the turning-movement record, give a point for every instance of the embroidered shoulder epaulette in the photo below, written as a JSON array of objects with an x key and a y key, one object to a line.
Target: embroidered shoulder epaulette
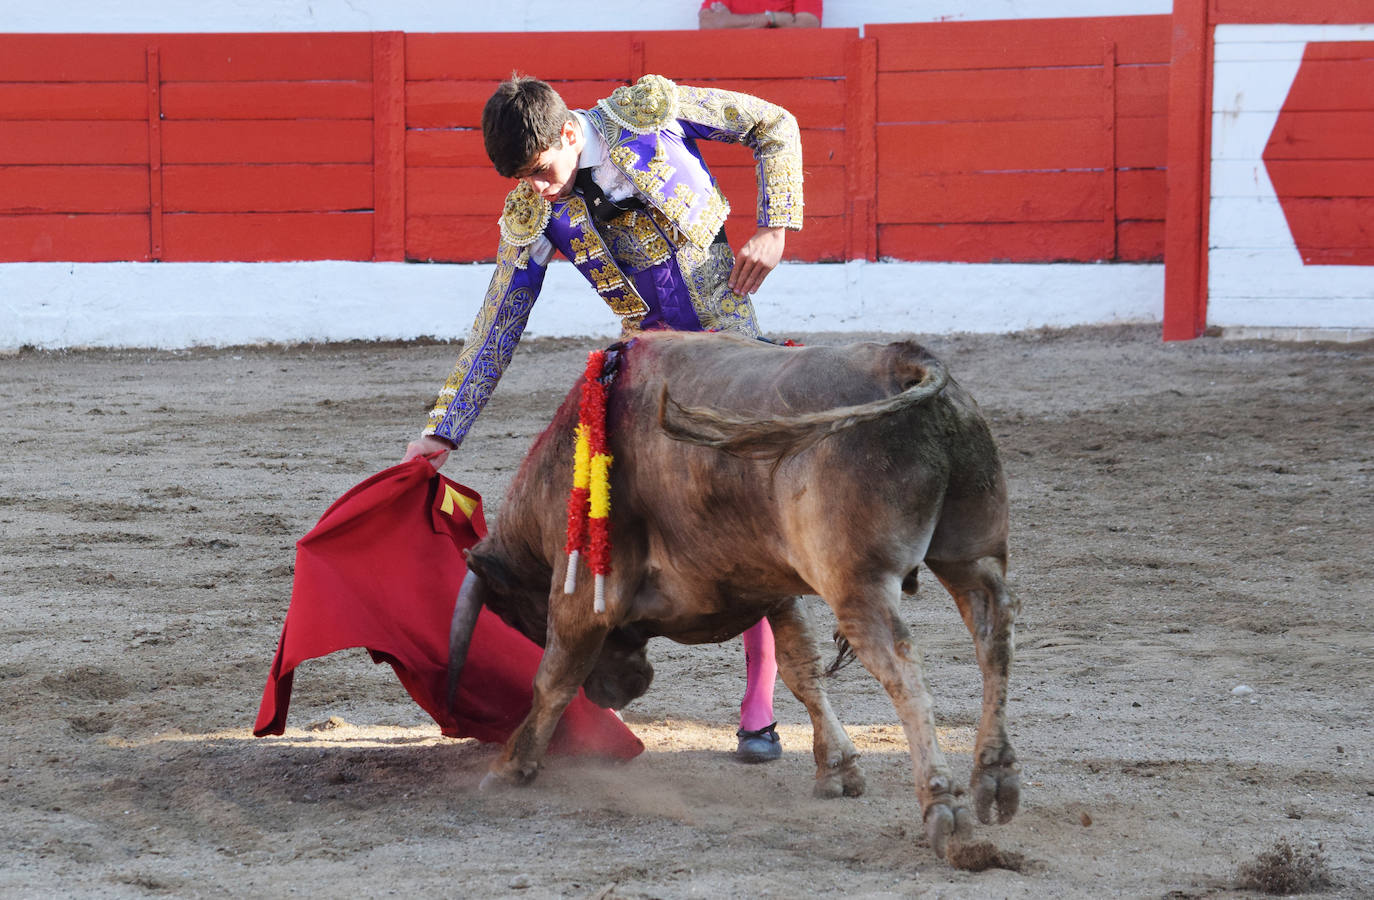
[
  {"x": 525, "y": 216},
  {"x": 644, "y": 107}
]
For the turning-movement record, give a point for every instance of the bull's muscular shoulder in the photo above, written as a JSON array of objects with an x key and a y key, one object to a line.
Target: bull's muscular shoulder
[
  {"x": 525, "y": 216},
  {"x": 644, "y": 107}
]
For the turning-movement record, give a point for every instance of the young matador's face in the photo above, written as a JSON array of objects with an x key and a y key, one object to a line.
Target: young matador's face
[{"x": 552, "y": 172}]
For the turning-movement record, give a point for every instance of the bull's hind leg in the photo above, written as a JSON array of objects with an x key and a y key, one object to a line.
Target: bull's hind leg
[
  {"x": 989, "y": 610},
  {"x": 868, "y": 619},
  {"x": 574, "y": 642},
  {"x": 837, "y": 762}
]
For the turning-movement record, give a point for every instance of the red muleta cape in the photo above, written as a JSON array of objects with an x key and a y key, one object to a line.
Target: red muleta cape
[{"x": 381, "y": 570}]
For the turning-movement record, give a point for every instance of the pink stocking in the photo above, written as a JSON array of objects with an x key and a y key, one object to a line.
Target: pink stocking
[{"x": 761, "y": 668}]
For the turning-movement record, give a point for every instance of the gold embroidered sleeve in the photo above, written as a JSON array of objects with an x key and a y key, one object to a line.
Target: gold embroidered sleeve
[
  {"x": 765, "y": 128},
  {"x": 500, "y": 322}
]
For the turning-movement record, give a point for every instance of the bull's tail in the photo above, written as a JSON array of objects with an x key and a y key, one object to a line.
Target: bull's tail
[{"x": 778, "y": 437}]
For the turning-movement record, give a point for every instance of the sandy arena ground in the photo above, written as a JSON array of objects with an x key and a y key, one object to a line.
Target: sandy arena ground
[{"x": 1187, "y": 519}]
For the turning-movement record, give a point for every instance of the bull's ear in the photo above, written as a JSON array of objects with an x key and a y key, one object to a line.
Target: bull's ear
[{"x": 908, "y": 362}]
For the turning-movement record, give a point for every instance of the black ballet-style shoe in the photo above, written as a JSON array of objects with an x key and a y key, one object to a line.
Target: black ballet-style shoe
[{"x": 759, "y": 746}]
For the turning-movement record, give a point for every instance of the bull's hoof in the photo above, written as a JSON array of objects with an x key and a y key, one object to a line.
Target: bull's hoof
[
  {"x": 944, "y": 821},
  {"x": 844, "y": 780},
  {"x": 501, "y": 779},
  {"x": 997, "y": 784}
]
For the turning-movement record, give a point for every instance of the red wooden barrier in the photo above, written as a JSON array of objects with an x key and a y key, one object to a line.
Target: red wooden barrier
[
  {"x": 1022, "y": 141},
  {"x": 968, "y": 141}
]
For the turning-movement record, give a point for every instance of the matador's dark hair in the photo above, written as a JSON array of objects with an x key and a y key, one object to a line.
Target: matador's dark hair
[{"x": 520, "y": 121}]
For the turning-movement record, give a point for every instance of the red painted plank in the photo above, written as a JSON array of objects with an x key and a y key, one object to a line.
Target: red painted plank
[
  {"x": 451, "y": 238},
  {"x": 822, "y": 238},
  {"x": 1322, "y": 177},
  {"x": 449, "y": 191},
  {"x": 72, "y": 57},
  {"x": 1322, "y": 135},
  {"x": 905, "y": 150},
  {"x": 1141, "y": 194},
  {"x": 267, "y": 188},
  {"x": 926, "y": 46},
  {"x": 80, "y": 238},
  {"x": 73, "y": 143},
  {"x": 492, "y": 56},
  {"x": 267, "y": 100},
  {"x": 1323, "y": 12},
  {"x": 284, "y": 56},
  {"x": 1007, "y": 242},
  {"x": 85, "y": 100},
  {"x": 71, "y": 189},
  {"x": 981, "y": 95},
  {"x": 445, "y": 104},
  {"x": 1140, "y": 241},
  {"x": 996, "y": 197},
  {"x": 1142, "y": 143},
  {"x": 307, "y": 141},
  {"x": 689, "y": 56},
  {"x": 267, "y": 237},
  {"x": 446, "y": 147},
  {"x": 1142, "y": 90}
]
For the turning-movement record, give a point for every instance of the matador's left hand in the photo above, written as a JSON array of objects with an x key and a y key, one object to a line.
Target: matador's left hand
[{"x": 759, "y": 256}]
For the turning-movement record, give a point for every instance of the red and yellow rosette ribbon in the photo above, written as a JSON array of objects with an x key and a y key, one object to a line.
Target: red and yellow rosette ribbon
[{"x": 589, "y": 502}]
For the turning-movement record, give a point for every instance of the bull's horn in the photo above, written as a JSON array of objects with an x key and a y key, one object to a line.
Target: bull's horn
[{"x": 460, "y": 630}]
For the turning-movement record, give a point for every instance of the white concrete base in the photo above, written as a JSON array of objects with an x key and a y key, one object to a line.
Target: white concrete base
[
  {"x": 85, "y": 16},
  {"x": 1329, "y": 335},
  {"x": 174, "y": 305}
]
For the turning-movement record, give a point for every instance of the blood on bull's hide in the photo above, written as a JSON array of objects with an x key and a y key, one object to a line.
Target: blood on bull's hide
[{"x": 744, "y": 475}]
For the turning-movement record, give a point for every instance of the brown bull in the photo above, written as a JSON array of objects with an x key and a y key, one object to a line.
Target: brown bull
[{"x": 769, "y": 472}]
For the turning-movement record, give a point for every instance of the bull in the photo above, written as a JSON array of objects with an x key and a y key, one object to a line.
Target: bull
[{"x": 746, "y": 474}]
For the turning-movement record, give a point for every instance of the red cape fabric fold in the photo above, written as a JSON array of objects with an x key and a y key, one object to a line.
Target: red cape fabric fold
[{"x": 381, "y": 570}]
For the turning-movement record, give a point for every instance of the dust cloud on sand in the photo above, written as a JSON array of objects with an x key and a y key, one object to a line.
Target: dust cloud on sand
[{"x": 1193, "y": 533}]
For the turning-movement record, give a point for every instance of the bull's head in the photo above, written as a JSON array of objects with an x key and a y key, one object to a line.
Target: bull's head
[{"x": 622, "y": 671}]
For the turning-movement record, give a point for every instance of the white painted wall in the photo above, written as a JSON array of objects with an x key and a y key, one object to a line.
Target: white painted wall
[
  {"x": 78, "y": 16},
  {"x": 1256, "y": 277}
]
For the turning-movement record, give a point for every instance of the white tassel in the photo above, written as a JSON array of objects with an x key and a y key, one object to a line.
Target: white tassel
[
  {"x": 570, "y": 580},
  {"x": 599, "y": 604}
]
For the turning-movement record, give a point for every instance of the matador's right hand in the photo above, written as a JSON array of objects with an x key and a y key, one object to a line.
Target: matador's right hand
[{"x": 429, "y": 445}]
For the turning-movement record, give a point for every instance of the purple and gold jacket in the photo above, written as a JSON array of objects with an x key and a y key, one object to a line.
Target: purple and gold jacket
[{"x": 656, "y": 267}]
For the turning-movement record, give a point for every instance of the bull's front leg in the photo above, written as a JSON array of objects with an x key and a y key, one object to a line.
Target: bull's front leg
[
  {"x": 989, "y": 610},
  {"x": 574, "y": 642},
  {"x": 867, "y": 616},
  {"x": 837, "y": 762}
]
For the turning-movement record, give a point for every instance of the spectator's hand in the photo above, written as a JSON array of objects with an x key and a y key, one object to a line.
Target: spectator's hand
[
  {"x": 427, "y": 445},
  {"x": 718, "y": 15},
  {"x": 759, "y": 256}
]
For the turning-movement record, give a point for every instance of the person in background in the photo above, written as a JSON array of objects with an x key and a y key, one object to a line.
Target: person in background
[
  {"x": 620, "y": 189},
  {"x": 760, "y": 14}
]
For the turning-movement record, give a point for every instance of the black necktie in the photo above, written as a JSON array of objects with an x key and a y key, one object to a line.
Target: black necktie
[{"x": 602, "y": 208}]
